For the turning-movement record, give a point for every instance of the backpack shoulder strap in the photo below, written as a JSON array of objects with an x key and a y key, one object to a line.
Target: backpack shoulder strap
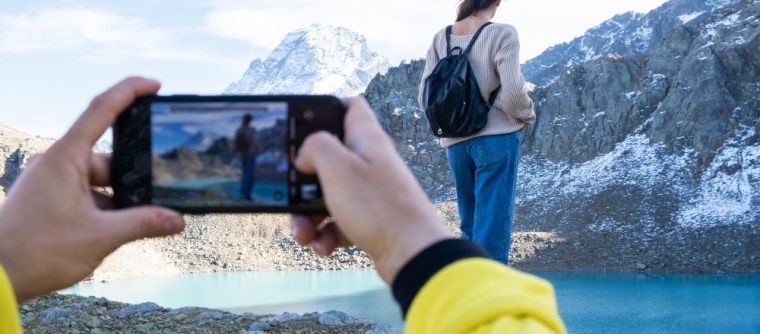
[
  {"x": 448, "y": 40},
  {"x": 494, "y": 95},
  {"x": 475, "y": 38}
]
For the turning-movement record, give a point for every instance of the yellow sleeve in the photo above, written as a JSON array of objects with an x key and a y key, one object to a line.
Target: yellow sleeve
[
  {"x": 9, "y": 317},
  {"x": 482, "y": 296}
]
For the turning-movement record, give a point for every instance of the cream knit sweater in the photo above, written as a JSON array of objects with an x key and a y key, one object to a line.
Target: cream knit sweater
[{"x": 495, "y": 60}]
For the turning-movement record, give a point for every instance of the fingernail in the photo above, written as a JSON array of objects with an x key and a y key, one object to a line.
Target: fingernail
[
  {"x": 173, "y": 223},
  {"x": 318, "y": 248},
  {"x": 293, "y": 228}
]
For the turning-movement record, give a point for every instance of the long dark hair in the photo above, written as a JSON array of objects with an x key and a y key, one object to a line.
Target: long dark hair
[{"x": 469, "y": 7}]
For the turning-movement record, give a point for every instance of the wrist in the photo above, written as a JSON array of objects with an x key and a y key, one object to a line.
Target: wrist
[
  {"x": 12, "y": 272},
  {"x": 414, "y": 275},
  {"x": 10, "y": 252},
  {"x": 406, "y": 244}
]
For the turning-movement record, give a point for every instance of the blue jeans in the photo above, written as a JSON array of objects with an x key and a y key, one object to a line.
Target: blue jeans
[
  {"x": 248, "y": 162},
  {"x": 485, "y": 173}
]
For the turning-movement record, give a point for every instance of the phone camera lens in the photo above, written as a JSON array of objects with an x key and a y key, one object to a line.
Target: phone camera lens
[{"x": 308, "y": 115}]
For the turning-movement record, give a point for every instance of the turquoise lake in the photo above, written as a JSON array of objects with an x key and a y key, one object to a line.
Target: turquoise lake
[{"x": 588, "y": 302}]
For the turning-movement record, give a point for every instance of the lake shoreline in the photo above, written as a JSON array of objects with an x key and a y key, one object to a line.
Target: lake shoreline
[
  {"x": 255, "y": 243},
  {"x": 692, "y": 301},
  {"x": 231, "y": 243},
  {"x": 57, "y": 313}
]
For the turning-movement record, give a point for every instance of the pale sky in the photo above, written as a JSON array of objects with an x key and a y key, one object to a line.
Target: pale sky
[{"x": 55, "y": 55}]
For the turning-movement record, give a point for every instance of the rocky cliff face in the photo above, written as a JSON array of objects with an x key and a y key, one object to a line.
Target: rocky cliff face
[
  {"x": 625, "y": 34},
  {"x": 692, "y": 84},
  {"x": 15, "y": 150},
  {"x": 394, "y": 98},
  {"x": 318, "y": 59},
  {"x": 646, "y": 137},
  {"x": 676, "y": 121}
]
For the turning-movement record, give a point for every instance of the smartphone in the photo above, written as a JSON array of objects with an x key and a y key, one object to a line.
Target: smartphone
[{"x": 220, "y": 154}]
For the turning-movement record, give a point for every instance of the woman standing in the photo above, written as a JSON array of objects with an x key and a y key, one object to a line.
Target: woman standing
[{"x": 484, "y": 165}]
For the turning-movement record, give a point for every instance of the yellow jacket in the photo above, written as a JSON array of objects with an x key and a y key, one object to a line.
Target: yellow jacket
[
  {"x": 9, "y": 319},
  {"x": 482, "y": 296},
  {"x": 452, "y": 287}
]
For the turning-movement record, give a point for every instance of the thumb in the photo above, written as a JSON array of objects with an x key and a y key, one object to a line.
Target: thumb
[{"x": 142, "y": 222}]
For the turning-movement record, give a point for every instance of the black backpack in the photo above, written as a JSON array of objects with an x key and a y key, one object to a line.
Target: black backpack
[
  {"x": 241, "y": 141},
  {"x": 451, "y": 97}
]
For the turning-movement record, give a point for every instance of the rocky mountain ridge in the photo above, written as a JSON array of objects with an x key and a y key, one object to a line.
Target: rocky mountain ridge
[
  {"x": 16, "y": 148},
  {"x": 693, "y": 87},
  {"x": 678, "y": 121},
  {"x": 318, "y": 59},
  {"x": 624, "y": 35}
]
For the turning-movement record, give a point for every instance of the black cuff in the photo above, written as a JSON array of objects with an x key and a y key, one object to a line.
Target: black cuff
[{"x": 413, "y": 276}]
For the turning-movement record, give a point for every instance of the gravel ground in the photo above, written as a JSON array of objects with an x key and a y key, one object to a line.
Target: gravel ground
[
  {"x": 214, "y": 243},
  {"x": 248, "y": 242},
  {"x": 73, "y": 314}
]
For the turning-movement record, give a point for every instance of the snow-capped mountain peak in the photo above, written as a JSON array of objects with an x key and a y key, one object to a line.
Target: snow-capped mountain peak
[
  {"x": 317, "y": 59},
  {"x": 200, "y": 141}
]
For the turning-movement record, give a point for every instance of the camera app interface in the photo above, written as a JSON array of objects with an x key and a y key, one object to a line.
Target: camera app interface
[{"x": 220, "y": 154}]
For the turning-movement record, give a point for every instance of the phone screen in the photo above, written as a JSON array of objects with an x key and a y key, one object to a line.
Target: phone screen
[{"x": 220, "y": 155}]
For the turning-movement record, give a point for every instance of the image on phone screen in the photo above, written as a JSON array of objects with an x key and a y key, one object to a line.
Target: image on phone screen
[{"x": 220, "y": 153}]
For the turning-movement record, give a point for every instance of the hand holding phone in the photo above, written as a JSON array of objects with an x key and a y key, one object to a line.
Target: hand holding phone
[
  {"x": 373, "y": 197},
  {"x": 217, "y": 154},
  {"x": 54, "y": 228}
]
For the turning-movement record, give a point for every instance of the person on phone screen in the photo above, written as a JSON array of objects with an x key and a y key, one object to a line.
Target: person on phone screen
[
  {"x": 54, "y": 230},
  {"x": 247, "y": 146},
  {"x": 484, "y": 165}
]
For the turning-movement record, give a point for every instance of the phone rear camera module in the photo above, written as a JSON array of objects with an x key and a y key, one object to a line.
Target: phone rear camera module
[
  {"x": 309, "y": 192},
  {"x": 308, "y": 115}
]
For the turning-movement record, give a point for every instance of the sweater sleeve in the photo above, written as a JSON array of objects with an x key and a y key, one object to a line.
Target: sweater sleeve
[
  {"x": 431, "y": 60},
  {"x": 464, "y": 292},
  {"x": 513, "y": 99},
  {"x": 9, "y": 317}
]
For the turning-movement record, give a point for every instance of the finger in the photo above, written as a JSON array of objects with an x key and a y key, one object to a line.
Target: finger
[
  {"x": 303, "y": 229},
  {"x": 102, "y": 201},
  {"x": 363, "y": 131},
  {"x": 100, "y": 170},
  {"x": 326, "y": 241},
  {"x": 343, "y": 241},
  {"x": 340, "y": 238},
  {"x": 324, "y": 154},
  {"x": 128, "y": 225},
  {"x": 104, "y": 109},
  {"x": 361, "y": 113}
]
